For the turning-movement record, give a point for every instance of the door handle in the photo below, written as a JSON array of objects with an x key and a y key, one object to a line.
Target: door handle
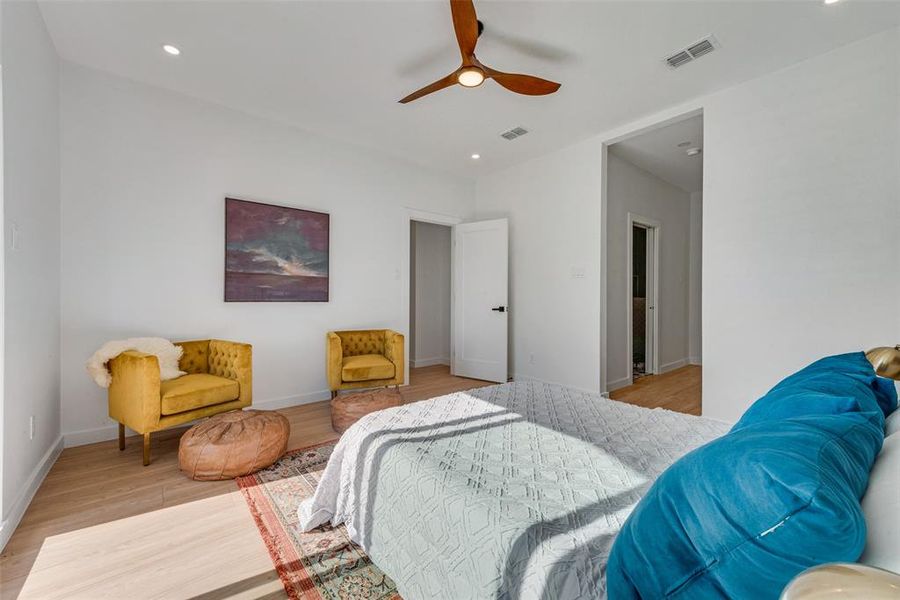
[{"x": 499, "y": 308}]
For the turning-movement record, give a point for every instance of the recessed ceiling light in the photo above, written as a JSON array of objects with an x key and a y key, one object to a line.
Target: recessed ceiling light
[
  {"x": 694, "y": 151},
  {"x": 476, "y": 156},
  {"x": 684, "y": 144},
  {"x": 831, "y": 1},
  {"x": 171, "y": 49}
]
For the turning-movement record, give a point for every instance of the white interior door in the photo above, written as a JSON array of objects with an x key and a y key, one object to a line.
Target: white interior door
[{"x": 480, "y": 309}]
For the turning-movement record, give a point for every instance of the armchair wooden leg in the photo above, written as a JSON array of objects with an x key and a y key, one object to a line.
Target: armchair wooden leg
[
  {"x": 333, "y": 394},
  {"x": 121, "y": 437},
  {"x": 146, "y": 449}
]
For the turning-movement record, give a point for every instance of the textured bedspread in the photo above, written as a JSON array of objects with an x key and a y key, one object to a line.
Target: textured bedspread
[{"x": 512, "y": 491}]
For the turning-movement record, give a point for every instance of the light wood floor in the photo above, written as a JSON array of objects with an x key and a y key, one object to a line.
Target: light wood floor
[
  {"x": 677, "y": 390},
  {"x": 103, "y": 526}
]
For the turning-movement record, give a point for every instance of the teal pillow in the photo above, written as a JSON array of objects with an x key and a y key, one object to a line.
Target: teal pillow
[
  {"x": 742, "y": 515},
  {"x": 832, "y": 385}
]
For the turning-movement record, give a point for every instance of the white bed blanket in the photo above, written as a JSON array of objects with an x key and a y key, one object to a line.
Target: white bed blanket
[{"x": 511, "y": 491}]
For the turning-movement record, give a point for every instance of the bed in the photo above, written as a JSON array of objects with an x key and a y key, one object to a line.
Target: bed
[{"x": 510, "y": 491}]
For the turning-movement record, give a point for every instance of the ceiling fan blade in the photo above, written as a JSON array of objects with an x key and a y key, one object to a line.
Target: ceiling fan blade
[
  {"x": 523, "y": 84},
  {"x": 465, "y": 22},
  {"x": 428, "y": 89}
]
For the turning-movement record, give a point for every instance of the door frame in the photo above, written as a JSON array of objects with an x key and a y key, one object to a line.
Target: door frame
[
  {"x": 651, "y": 342},
  {"x": 422, "y": 216},
  {"x": 650, "y": 123}
]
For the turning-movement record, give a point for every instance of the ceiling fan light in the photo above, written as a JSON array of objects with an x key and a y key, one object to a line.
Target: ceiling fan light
[{"x": 470, "y": 77}]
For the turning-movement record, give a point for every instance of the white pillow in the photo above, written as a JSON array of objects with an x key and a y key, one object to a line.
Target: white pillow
[
  {"x": 881, "y": 507},
  {"x": 892, "y": 423}
]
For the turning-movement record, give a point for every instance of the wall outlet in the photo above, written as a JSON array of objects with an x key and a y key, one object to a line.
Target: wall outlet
[
  {"x": 578, "y": 272},
  {"x": 531, "y": 359},
  {"x": 31, "y": 428}
]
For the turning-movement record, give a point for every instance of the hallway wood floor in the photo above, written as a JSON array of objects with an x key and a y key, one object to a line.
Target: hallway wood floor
[
  {"x": 102, "y": 525},
  {"x": 677, "y": 390}
]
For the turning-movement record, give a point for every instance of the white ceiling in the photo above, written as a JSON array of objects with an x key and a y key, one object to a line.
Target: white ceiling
[
  {"x": 339, "y": 67},
  {"x": 658, "y": 152}
]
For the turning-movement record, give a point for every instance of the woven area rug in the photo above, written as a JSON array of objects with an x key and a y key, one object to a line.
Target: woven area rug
[{"x": 323, "y": 563}]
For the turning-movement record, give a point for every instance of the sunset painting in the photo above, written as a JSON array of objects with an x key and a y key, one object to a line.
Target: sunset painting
[{"x": 275, "y": 253}]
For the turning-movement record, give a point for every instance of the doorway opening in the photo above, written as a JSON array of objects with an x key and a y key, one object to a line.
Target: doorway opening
[
  {"x": 643, "y": 283},
  {"x": 653, "y": 263},
  {"x": 455, "y": 277},
  {"x": 429, "y": 294}
]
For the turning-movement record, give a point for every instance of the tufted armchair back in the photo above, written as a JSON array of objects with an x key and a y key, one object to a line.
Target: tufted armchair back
[
  {"x": 355, "y": 343},
  {"x": 231, "y": 360},
  {"x": 194, "y": 357}
]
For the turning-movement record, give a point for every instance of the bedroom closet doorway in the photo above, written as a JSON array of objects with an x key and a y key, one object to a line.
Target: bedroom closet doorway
[
  {"x": 652, "y": 224},
  {"x": 429, "y": 294}
]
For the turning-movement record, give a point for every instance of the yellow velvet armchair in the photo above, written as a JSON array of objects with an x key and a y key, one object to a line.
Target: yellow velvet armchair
[
  {"x": 364, "y": 359},
  {"x": 219, "y": 378}
]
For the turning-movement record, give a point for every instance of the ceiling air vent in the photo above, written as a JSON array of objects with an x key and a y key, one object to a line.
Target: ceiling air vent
[
  {"x": 695, "y": 50},
  {"x": 700, "y": 48},
  {"x": 513, "y": 133},
  {"x": 676, "y": 60}
]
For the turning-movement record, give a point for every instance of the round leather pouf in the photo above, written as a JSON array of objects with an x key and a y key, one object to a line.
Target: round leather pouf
[
  {"x": 347, "y": 410},
  {"x": 233, "y": 444}
]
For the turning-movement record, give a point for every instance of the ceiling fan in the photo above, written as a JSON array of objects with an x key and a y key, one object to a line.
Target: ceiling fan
[{"x": 472, "y": 72}]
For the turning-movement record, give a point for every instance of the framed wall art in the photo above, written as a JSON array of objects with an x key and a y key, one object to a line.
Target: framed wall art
[{"x": 275, "y": 253}]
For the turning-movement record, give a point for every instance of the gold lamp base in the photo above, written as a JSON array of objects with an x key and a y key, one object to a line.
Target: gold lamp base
[{"x": 886, "y": 360}]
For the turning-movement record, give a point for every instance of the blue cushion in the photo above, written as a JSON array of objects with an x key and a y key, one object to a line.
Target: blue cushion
[
  {"x": 832, "y": 385},
  {"x": 742, "y": 515}
]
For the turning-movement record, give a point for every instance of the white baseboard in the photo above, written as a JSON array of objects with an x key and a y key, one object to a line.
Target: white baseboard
[
  {"x": 429, "y": 362},
  {"x": 618, "y": 383},
  {"x": 297, "y": 400},
  {"x": 626, "y": 381},
  {"x": 111, "y": 432},
  {"x": 672, "y": 365},
  {"x": 694, "y": 360},
  {"x": 20, "y": 504},
  {"x": 92, "y": 436}
]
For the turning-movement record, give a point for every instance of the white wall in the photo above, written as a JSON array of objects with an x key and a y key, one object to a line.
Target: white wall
[
  {"x": 633, "y": 190},
  {"x": 801, "y": 213},
  {"x": 31, "y": 198},
  {"x": 432, "y": 295},
  {"x": 801, "y": 203},
  {"x": 144, "y": 177},
  {"x": 553, "y": 206},
  {"x": 695, "y": 295}
]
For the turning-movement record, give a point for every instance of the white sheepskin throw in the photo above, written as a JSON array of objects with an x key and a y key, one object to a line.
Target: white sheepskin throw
[{"x": 167, "y": 353}]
